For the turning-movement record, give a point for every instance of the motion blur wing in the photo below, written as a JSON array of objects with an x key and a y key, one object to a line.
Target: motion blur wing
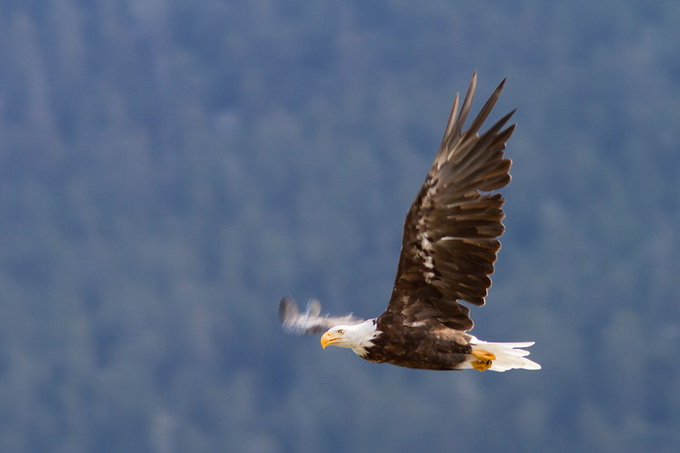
[{"x": 310, "y": 321}]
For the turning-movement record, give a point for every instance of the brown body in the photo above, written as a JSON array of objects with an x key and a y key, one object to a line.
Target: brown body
[{"x": 419, "y": 346}]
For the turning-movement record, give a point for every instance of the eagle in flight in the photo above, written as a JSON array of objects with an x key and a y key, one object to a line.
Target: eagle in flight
[{"x": 448, "y": 250}]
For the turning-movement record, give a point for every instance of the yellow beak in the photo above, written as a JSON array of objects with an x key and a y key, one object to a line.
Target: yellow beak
[{"x": 327, "y": 338}]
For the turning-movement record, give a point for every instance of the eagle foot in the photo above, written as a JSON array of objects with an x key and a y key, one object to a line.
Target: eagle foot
[{"x": 484, "y": 360}]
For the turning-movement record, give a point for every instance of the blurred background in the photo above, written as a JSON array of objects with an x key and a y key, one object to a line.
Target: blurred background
[{"x": 169, "y": 169}]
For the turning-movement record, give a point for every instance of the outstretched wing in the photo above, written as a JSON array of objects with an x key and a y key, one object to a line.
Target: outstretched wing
[
  {"x": 310, "y": 321},
  {"x": 451, "y": 232}
]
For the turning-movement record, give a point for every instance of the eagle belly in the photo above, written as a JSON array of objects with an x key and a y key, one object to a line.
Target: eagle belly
[{"x": 419, "y": 346}]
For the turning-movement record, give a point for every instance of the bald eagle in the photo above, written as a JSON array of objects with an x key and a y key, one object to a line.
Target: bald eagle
[{"x": 449, "y": 247}]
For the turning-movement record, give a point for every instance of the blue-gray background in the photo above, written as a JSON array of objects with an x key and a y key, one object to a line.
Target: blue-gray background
[{"x": 170, "y": 168}]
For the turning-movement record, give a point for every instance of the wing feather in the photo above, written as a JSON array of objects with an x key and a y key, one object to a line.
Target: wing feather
[
  {"x": 310, "y": 321},
  {"x": 451, "y": 232}
]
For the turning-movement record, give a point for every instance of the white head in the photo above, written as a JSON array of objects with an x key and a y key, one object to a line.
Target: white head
[{"x": 357, "y": 337}]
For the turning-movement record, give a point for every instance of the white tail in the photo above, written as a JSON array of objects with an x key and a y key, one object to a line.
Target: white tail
[{"x": 508, "y": 355}]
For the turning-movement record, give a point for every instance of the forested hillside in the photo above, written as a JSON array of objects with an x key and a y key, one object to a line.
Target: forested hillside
[{"x": 169, "y": 169}]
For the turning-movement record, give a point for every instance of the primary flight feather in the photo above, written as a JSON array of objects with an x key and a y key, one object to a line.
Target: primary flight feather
[{"x": 448, "y": 251}]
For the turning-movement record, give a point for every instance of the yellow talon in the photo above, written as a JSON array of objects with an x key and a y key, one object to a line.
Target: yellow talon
[
  {"x": 481, "y": 366},
  {"x": 484, "y": 360},
  {"x": 483, "y": 356}
]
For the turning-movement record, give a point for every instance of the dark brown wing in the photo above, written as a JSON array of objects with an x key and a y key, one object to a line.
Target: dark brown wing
[{"x": 451, "y": 232}]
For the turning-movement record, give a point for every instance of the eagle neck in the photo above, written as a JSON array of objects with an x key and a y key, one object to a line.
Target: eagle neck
[{"x": 364, "y": 335}]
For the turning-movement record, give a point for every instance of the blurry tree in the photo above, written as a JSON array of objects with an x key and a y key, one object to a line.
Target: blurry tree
[{"x": 170, "y": 169}]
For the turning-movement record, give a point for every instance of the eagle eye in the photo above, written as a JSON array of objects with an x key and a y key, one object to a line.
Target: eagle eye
[{"x": 341, "y": 331}]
